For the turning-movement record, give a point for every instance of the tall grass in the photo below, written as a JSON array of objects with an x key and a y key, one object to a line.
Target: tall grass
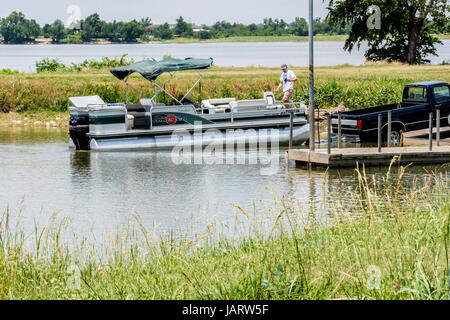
[
  {"x": 383, "y": 240},
  {"x": 357, "y": 87}
]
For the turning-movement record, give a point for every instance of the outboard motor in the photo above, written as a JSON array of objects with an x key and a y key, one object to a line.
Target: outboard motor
[
  {"x": 79, "y": 119},
  {"x": 78, "y": 128}
]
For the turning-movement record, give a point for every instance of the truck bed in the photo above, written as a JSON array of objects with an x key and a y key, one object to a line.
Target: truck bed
[
  {"x": 413, "y": 113},
  {"x": 377, "y": 109}
]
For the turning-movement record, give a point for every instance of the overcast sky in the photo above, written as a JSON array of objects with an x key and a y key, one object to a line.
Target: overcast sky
[{"x": 194, "y": 11}]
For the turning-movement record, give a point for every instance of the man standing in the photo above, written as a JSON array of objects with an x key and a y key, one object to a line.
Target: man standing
[{"x": 287, "y": 80}]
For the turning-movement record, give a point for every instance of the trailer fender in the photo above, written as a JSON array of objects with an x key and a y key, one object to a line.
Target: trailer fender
[
  {"x": 395, "y": 124},
  {"x": 397, "y": 129}
]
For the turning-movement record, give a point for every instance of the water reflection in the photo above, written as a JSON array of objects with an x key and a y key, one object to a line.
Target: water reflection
[
  {"x": 102, "y": 189},
  {"x": 31, "y": 135},
  {"x": 80, "y": 163}
]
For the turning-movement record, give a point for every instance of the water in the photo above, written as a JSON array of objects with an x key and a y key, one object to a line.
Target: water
[
  {"x": 241, "y": 54},
  {"x": 40, "y": 175}
]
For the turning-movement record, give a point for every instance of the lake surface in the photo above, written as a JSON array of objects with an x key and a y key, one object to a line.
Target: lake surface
[
  {"x": 40, "y": 175},
  {"x": 238, "y": 54}
]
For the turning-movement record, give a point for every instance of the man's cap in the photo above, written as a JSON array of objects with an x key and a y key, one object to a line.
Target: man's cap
[{"x": 283, "y": 66}]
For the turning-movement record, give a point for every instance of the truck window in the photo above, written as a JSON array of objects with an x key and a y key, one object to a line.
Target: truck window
[
  {"x": 441, "y": 93},
  {"x": 416, "y": 94}
]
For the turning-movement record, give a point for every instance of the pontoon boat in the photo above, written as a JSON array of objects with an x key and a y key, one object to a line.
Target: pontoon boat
[{"x": 148, "y": 125}]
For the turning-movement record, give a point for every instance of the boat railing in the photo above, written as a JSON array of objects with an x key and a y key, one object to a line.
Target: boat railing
[
  {"x": 285, "y": 107},
  {"x": 100, "y": 106}
]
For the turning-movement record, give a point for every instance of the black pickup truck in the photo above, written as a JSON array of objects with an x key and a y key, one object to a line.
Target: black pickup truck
[{"x": 419, "y": 99}]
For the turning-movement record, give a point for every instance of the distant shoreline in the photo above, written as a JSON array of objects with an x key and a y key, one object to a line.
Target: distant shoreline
[
  {"x": 46, "y": 41},
  {"x": 320, "y": 37}
]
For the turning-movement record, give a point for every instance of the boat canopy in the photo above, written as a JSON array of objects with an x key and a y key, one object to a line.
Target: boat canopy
[{"x": 151, "y": 70}]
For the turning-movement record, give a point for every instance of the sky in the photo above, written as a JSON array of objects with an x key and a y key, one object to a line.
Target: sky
[{"x": 194, "y": 11}]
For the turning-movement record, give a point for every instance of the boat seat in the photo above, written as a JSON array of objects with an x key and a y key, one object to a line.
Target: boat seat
[
  {"x": 220, "y": 101},
  {"x": 271, "y": 101},
  {"x": 246, "y": 105},
  {"x": 217, "y": 105},
  {"x": 135, "y": 108},
  {"x": 270, "y": 98},
  {"x": 214, "y": 103},
  {"x": 136, "y": 114},
  {"x": 251, "y": 103}
]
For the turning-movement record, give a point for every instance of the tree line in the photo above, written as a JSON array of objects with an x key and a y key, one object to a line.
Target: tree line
[
  {"x": 17, "y": 29},
  {"x": 401, "y": 30}
]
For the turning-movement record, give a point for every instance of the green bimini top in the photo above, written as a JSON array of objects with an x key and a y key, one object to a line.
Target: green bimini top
[{"x": 151, "y": 70}]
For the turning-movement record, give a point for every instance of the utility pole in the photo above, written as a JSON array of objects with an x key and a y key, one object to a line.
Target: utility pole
[{"x": 311, "y": 79}]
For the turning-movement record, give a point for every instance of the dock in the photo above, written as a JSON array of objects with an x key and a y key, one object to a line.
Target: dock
[
  {"x": 417, "y": 151},
  {"x": 350, "y": 157}
]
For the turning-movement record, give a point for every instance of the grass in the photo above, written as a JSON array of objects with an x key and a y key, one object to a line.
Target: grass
[
  {"x": 444, "y": 36},
  {"x": 356, "y": 86},
  {"x": 35, "y": 119},
  {"x": 383, "y": 240}
]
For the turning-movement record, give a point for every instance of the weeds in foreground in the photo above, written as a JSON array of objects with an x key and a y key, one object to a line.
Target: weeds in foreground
[{"x": 383, "y": 240}]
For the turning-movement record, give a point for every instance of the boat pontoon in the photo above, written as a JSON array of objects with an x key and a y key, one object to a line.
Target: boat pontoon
[{"x": 148, "y": 125}]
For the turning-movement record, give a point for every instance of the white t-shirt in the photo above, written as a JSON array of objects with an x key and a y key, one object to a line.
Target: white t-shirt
[{"x": 287, "y": 85}]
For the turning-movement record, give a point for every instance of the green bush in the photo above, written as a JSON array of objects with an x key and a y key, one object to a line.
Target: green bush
[
  {"x": 73, "y": 39},
  {"x": 53, "y": 65},
  {"x": 9, "y": 71},
  {"x": 49, "y": 65}
]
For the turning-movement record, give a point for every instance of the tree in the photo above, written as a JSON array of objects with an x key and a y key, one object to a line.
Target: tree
[
  {"x": 132, "y": 30},
  {"x": 112, "y": 31},
  {"x": 91, "y": 27},
  {"x": 274, "y": 27},
  {"x": 183, "y": 28},
  {"x": 46, "y": 30},
  {"x": 146, "y": 22},
  {"x": 204, "y": 34},
  {"x": 299, "y": 27},
  {"x": 17, "y": 29},
  {"x": 57, "y": 31},
  {"x": 87, "y": 32},
  {"x": 95, "y": 22},
  {"x": 163, "y": 32},
  {"x": 221, "y": 29},
  {"x": 406, "y": 27}
]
